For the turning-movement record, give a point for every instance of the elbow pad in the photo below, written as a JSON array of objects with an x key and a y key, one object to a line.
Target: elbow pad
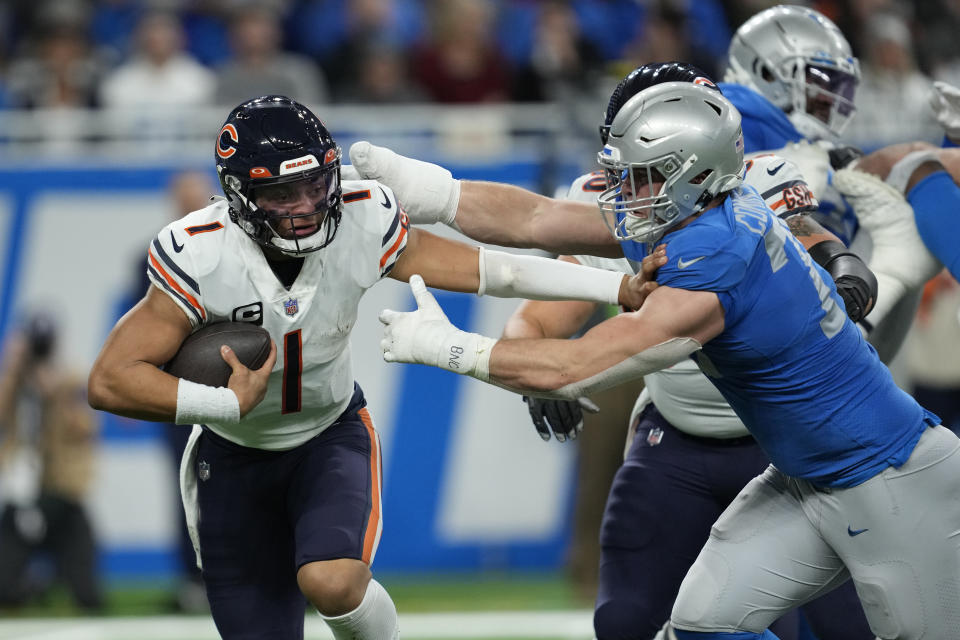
[{"x": 856, "y": 283}]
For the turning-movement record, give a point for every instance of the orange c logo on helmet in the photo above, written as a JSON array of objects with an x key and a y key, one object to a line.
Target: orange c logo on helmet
[
  {"x": 704, "y": 81},
  {"x": 230, "y": 130}
]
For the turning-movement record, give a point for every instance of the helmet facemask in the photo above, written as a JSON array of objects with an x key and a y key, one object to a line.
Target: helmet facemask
[
  {"x": 629, "y": 207},
  {"x": 822, "y": 101},
  {"x": 295, "y": 214}
]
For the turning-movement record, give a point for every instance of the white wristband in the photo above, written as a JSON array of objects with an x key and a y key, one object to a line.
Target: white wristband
[
  {"x": 202, "y": 404},
  {"x": 511, "y": 275}
]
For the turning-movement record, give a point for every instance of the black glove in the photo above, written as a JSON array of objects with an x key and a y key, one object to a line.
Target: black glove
[
  {"x": 856, "y": 284},
  {"x": 564, "y": 418},
  {"x": 840, "y": 157}
]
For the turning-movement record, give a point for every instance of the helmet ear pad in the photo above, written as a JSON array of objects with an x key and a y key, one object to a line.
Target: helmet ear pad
[{"x": 275, "y": 140}]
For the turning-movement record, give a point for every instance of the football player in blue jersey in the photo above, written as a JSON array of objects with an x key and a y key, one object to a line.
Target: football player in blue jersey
[
  {"x": 792, "y": 76},
  {"x": 863, "y": 479},
  {"x": 656, "y": 490},
  {"x": 693, "y": 454}
]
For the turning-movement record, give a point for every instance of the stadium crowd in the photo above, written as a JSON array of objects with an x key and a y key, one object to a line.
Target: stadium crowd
[{"x": 173, "y": 53}]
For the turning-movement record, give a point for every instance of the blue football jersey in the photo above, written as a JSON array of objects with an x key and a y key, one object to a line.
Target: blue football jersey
[
  {"x": 791, "y": 364},
  {"x": 765, "y": 125}
]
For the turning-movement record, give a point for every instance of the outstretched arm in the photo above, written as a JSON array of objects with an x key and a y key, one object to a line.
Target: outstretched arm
[
  {"x": 455, "y": 266},
  {"x": 671, "y": 325},
  {"x": 485, "y": 211}
]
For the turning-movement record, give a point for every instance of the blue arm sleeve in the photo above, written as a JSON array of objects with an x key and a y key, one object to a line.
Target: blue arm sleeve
[{"x": 936, "y": 206}]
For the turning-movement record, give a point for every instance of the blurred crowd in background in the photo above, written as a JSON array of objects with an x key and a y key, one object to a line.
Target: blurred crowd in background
[{"x": 189, "y": 53}]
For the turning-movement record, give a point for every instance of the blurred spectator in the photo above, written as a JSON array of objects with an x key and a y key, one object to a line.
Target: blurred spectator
[
  {"x": 259, "y": 67},
  {"x": 892, "y": 97},
  {"x": 57, "y": 67},
  {"x": 343, "y": 35},
  {"x": 380, "y": 75},
  {"x": 160, "y": 73},
  {"x": 459, "y": 62},
  {"x": 562, "y": 62},
  {"x": 47, "y": 461},
  {"x": 933, "y": 350}
]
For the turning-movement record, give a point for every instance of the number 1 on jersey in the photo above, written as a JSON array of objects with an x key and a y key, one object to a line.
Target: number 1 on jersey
[{"x": 292, "y": 369}]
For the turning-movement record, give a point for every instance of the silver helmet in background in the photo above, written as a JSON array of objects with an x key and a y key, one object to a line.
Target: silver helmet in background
[{"x": 800, "y": 61}]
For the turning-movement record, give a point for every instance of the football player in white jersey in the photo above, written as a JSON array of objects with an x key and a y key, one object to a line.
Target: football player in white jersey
[{"x": 281, "y": 477}]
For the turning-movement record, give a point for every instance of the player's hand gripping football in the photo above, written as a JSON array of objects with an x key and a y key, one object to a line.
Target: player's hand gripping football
[
  {"x": 425, "y": 336},
  {"x": 635, "y": 289},
  {"x": 249, "y": 385}
]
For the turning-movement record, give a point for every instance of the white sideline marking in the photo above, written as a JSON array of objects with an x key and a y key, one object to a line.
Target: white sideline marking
[{"x": 573, "y": 625}]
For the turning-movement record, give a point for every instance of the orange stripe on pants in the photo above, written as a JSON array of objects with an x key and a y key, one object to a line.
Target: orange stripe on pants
[{"x": 371, "y": 536}]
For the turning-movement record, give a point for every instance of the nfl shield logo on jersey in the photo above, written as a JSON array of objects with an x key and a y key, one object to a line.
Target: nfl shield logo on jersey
[
  {"x": 203, "y": 470},
  {"x": 291, "y": 307},
  {"x": 654, "y": 436}
]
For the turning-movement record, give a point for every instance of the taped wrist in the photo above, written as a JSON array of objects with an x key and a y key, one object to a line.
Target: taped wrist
[
  {"x": 203, "y": 404},
  {"x": 466, "y": 353},
  {"x": 855, "y": 282},
  {"x": 510, "y": 275}
]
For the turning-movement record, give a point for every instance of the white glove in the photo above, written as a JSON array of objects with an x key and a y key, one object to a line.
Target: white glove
[
  {"x": 427, "y": 192},
  {"x": 425, "y": 336},
  {"x": 900, "y": 259},
  {"x": 945, "y": 104}
]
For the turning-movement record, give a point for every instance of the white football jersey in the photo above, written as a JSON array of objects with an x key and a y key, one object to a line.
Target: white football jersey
[
  {"x": 215, "y": 272},
  {"x": 686, "y": 397}
]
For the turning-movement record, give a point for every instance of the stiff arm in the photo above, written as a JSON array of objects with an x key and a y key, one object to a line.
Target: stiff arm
[{"x": 672, "y": 324}]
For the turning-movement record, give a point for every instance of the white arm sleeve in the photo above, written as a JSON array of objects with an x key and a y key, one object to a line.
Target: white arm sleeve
[{"x": 510, "y": 275}]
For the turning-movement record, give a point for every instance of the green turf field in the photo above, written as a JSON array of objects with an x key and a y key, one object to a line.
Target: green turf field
[{"x": 462, "y": 607}]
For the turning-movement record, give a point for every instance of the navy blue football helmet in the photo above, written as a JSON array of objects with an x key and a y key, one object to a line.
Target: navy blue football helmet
[
  {"x": 271, "y": 153},
  {"x": 644, "y": 77}
]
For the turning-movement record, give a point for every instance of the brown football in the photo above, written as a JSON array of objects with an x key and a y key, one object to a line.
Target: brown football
[{"x": 199, "y": 359}]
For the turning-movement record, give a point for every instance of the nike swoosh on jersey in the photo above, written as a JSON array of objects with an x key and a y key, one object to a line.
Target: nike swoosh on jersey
[
  {"x": 683, "y": 265},
  {"x": 773, "y": 170},
  {"x": 855, "y": 532},
  {"x": 177, "y": 248},
  {"x": 386, "y": 200}
]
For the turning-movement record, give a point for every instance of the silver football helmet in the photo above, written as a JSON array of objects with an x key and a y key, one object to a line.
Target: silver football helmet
[
  {"x": 799, "y": 60},
  {"x": 682, "y": 136}
]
